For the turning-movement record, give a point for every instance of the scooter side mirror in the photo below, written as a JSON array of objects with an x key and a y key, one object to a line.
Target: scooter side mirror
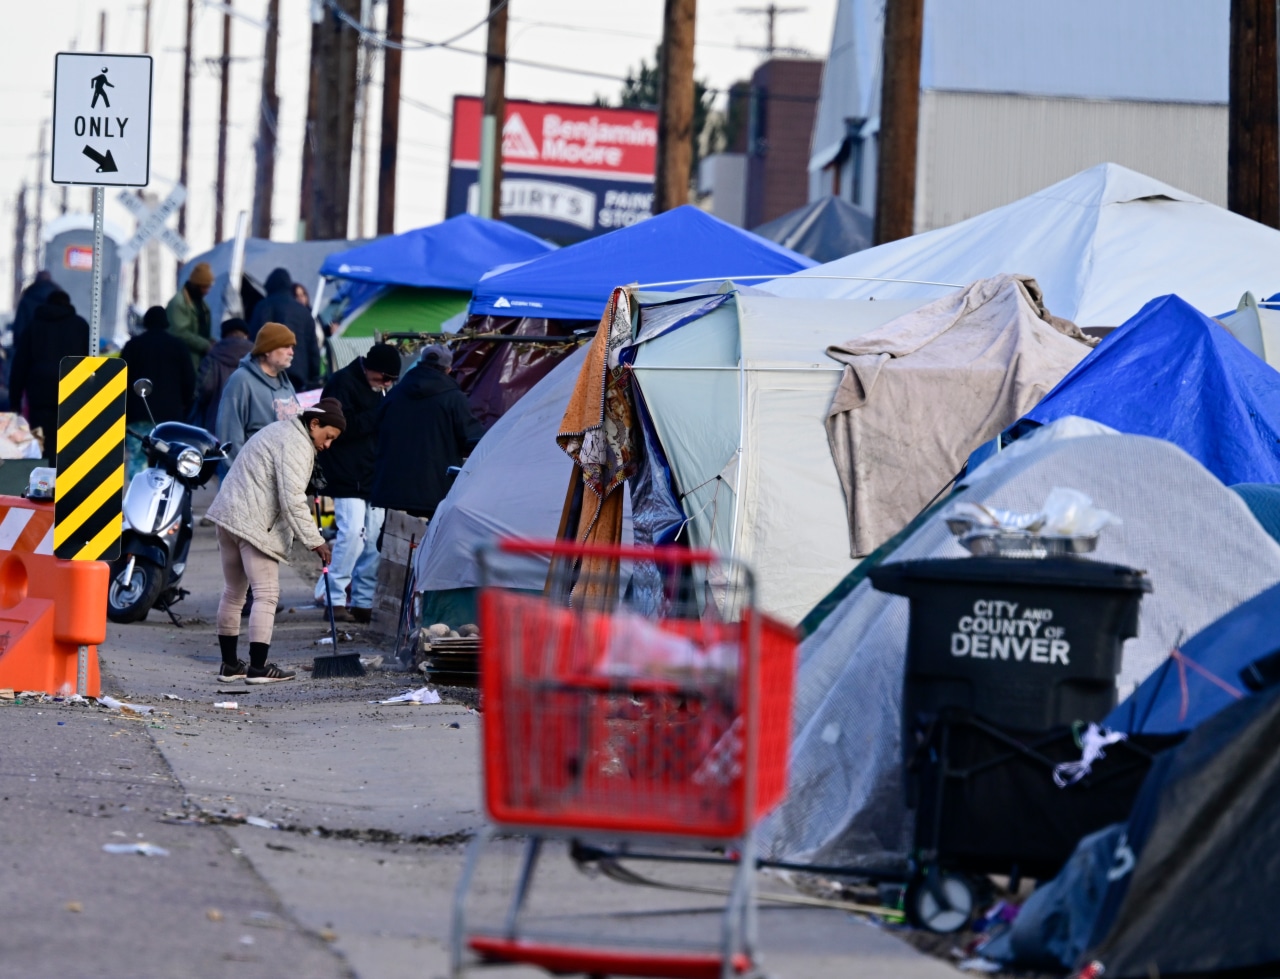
[{"x": 143, "y": 387}]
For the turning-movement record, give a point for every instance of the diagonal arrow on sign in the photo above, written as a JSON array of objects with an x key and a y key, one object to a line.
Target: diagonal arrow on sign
[{"x": 106, "y": 163}]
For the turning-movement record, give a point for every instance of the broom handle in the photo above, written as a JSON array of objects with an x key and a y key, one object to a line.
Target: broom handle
[{"x": 328, "y": 601}]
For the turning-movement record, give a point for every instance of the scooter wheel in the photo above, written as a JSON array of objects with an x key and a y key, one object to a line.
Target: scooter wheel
[
  {"x": 940, "y": 901},
  {"x": 130, "y": 601}
]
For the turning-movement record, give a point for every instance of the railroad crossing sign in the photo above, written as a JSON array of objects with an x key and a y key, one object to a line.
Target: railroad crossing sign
[
  {"x": 89, "y": 487},
  {"x": 151, "y": 224},
  {"x": 102, "y": 119}
]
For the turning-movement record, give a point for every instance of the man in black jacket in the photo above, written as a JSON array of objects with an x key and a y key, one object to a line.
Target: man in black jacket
[
  {"x": 216, "y": 369},
  {"x": 55, "y": 332},
  {"x": 424, "y": 427},
  {"x": 348, "y": 472},
  {"x": 165, "y": 361},
  {"x": 280, "y": 306}
]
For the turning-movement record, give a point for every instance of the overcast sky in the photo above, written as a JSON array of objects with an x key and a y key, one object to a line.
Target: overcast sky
[{"x": 605, "y": 36}]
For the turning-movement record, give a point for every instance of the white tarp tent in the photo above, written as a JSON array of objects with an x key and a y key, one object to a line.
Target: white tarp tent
[
  {"x": 738, "y": 397},
  {"x": 1257, "y": 326},
  {"x": 1100, "y": 243}
]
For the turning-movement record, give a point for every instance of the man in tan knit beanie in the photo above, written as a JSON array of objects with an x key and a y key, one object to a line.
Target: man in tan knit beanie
[
  {"x": 259, "y": 391},
  {"x": 189, "y": 317}
]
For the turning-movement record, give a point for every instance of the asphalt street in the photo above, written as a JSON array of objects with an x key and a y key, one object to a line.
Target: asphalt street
[{"x": 357, "y": 817}]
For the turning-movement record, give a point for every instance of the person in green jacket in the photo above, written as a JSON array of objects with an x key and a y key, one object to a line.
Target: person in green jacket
[{"x": 189, "y": 317}]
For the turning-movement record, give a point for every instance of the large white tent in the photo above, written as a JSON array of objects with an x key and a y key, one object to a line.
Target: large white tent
[
  {"x": 738, "y": 400},
  {"x": 1100, "y": 243}
]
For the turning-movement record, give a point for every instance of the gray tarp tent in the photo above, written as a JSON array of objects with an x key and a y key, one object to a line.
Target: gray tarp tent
[{"x": 845, "y": 801}]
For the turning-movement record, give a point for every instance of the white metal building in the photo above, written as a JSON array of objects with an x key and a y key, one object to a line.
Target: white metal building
[{"x": 1018, "y": 94}]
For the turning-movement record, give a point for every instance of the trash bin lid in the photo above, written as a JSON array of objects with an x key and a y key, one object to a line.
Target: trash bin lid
[{"x": 1067, "y": 572}]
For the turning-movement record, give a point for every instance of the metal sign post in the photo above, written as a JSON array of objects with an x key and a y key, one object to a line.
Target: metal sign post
[{"x": 95, "y": 317}]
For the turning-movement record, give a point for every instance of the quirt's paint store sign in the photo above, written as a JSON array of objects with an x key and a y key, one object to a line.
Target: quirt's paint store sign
[{"x": 1008, "y": 631}]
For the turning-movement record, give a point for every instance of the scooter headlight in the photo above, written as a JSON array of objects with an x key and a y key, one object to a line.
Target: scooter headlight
[{"x": 190, "y": 462}]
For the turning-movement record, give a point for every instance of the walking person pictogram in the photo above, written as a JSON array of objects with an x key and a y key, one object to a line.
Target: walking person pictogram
[{"x": 100, "y": 86}]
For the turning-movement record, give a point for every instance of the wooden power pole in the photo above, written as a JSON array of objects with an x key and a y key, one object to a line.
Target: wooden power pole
[
  {"x": 20, "y": 245},
  {"x": 1253, "y": 118},
  {"x": 186, "y": 118},
  {"x": 306, "y": 189},
  {"x": 264, "y": 148},
  {"x": 335, "y": 123},
  {"x": 224, "y": 100},
  {"x": 899, "y": 120},
  {"x": 389, "y": 136},
  {"x": 675, "y": 105},
  {"x": 495, "y": 112}
]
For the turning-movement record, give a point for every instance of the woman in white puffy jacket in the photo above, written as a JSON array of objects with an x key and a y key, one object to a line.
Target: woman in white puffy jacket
[{"x": 260, "y": 509}]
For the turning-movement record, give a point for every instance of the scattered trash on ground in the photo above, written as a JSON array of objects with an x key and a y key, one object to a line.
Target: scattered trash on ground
[
  {"x": 423, "y": 695},
  {"x": 174, "y": 696},
  {"x": 7, "y": 695},
  {"x": 371, "y": 662},
  {"x": 260, "y": 822},
  {"x": 213, "y": 914},
  {"x": 142, "y": 849},
  {"x": 342, "y": 637},
  {"x": 227, "y": 705},
  {"x": 75, "y": 907},
  {"x": 112, "y": 704}
]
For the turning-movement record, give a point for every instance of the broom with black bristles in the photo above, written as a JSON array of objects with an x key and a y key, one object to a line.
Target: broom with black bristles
[{"x": 346, "y": 664}]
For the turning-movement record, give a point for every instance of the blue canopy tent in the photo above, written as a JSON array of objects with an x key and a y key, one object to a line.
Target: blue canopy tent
[
  {"x": 685, "y": 243},
  {"x": 1203, "y": 676},
  {"x": 549, "y": 301},
  {"x": 415, "y": 281},
  {"x": 1173, "y": 373}
]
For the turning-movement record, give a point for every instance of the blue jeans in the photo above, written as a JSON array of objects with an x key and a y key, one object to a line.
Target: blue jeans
[{"x": 355, "y": 554}]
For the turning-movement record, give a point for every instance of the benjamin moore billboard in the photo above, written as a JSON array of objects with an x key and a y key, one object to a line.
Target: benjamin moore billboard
[{"x": 569, "y": 171}]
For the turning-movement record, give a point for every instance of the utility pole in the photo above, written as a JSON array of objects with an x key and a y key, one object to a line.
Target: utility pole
[
  {"x": 102, "y": 30},
  {"x": 149, "y": 253},
  {"x": 19, "y": 245},
  {"x": 367, "y": 54},
  {"x": 770, "y": 13},
  {"x": 389, "y": 131},
  {"x": 264, "y": 149},
  {"x": 306, "y": 190},
  {"x": 146, "y": 27},
  {"x": 899, "y": 120},
  {"x": 224, "y": 98},
  {"x": 335, "y": 122},
  {"x": 495, "y": 112},
  {"x": 1253, "y": 116},
  {"x": 186, "y": 118},
  {"x": 41, "y": 156},
  {"x": 675, "y": 105}
]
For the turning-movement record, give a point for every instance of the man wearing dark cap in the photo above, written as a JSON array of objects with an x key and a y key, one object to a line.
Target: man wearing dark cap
[
  {"x": 425, "y": 426},
  {"x": 216, "y": 369},
  {"x": 189, "y": 317},
  {"x": 56, "y": 331},
  {"x": 348, "y": 471},
  {"x": 163, "y": 359},
  {"x": 279, "y": 305}
]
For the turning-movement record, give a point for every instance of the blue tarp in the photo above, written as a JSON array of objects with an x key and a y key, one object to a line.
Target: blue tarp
[
  {"x": 1172, "y": 373},
  {"x": 1199, "y": 680},
  {"x": 684, "y": 243},
  {"x": 450, "y": 255}
]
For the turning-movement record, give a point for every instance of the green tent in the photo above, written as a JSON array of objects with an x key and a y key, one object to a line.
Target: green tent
[{"x": 405, "y": 309}]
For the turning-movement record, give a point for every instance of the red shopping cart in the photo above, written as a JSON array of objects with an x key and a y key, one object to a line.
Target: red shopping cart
[{"x": 640, "y": 696}]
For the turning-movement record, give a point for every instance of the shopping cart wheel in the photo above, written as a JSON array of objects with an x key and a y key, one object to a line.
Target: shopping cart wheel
[{"x": 940, "y": 901}]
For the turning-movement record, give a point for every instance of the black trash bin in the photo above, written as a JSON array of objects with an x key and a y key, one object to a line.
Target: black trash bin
[
  {"x": 1027, "y": 644},
  {"x": 1004, "y": 656}
]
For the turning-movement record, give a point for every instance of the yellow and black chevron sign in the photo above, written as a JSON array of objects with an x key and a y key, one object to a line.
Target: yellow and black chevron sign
[{"x": 89, "y": 488}]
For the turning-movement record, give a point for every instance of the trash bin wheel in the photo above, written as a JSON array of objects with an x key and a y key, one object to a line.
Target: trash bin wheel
[{"x": 940, "y": 901}]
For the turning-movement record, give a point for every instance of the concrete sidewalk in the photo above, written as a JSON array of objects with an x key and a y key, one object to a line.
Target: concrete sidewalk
[{"x": 377, "y": 800}]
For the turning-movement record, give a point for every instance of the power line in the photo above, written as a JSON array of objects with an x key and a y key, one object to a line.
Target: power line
[{"x": 380, "y": 39}]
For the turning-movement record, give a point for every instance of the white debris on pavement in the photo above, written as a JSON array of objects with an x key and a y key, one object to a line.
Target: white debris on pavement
[
  {"x": 143, "y": 849},
  {"x": 423, "y": 695}
]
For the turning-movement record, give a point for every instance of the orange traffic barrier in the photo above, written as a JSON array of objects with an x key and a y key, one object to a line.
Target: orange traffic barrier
[{"x": 49, "y": 609}]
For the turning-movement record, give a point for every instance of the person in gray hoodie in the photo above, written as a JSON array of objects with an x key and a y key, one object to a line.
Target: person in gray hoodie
[{"x": 259, "y": 391}]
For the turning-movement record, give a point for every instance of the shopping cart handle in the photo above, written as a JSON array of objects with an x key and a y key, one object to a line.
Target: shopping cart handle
[{"x": 568, "y": 548}]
